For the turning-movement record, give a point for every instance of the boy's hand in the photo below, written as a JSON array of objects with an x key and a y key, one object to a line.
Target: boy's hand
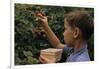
[
  {"x": 45, "y": 60},
  {"x": 42, "y": 18}
]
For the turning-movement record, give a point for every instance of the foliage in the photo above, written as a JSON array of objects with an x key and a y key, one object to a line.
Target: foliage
[{"x": 30, "y": 37}]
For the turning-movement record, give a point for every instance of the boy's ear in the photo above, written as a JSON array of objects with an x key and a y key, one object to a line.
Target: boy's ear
[{"x": 76, "y": 32}]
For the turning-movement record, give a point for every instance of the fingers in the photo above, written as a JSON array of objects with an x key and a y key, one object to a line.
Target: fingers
[
  {"x": 42, "y": 59},
  {"x": 40, "y": 20},
  {"x": 40, "y": 15},
  {"x": 45, "y": 60}
]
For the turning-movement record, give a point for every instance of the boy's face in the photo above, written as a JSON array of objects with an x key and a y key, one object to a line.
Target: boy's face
[{"x": 68, "y": 34}]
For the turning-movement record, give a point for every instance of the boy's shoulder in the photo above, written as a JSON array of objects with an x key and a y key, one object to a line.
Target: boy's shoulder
[{"x": 84, "y": 56}]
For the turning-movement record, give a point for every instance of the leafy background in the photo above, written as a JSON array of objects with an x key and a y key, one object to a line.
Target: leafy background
[{"x": 30, "y": 37}]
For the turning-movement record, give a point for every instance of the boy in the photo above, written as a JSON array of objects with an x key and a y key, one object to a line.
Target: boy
[{"x": 78, "y": 28}]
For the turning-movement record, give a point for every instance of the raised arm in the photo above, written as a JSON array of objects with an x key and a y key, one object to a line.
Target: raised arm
[{"x": 43, "y": 20}]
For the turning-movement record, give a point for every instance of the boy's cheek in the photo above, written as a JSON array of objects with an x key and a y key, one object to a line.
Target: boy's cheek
[{"x": 65, "y": 41}]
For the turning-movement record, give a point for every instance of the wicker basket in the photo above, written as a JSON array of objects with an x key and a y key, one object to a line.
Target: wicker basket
[{"x": 52, "y": 54}]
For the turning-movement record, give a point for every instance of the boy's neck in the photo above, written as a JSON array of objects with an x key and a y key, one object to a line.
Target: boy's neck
[{"x": 79, "y": 44}]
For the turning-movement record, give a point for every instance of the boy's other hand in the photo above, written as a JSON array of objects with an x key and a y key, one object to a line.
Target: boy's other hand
[{"x": 45, "y": 60}]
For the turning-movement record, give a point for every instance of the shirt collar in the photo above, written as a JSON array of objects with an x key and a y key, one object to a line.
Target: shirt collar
[{"x": 80, "y": 49}]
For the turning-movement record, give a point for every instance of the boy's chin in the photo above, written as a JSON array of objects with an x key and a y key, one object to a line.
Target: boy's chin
[{"x": 68, "y": 45}]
